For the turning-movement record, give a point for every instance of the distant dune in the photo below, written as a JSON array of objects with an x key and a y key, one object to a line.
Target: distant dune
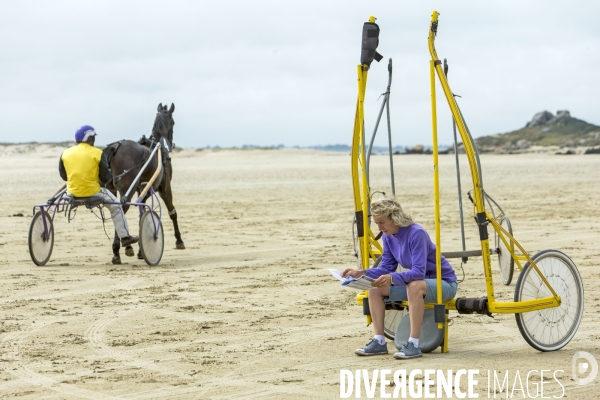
[
  {"x": 36, "y": 149},
  {"x": 547, "y": 132}
]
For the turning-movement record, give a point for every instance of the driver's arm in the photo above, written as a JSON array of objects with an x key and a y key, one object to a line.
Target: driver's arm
[
  {"x": 61, "y": 169},
  {"x": 105, "y": 174}
]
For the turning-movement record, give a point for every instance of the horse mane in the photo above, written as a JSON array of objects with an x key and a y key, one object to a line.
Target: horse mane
[
  {"x": 162, "y": 125},
  {"x": 144, "y": 141}
]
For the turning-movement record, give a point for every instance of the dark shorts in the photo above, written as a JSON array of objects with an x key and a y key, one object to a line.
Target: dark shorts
[{"x": 398, "y": 293}]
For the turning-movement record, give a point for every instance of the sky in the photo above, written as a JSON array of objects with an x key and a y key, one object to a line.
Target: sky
[{"x": 284, "y": 72}]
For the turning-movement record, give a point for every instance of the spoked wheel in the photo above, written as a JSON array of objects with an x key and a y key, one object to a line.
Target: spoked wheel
[
  {"x": 41, "y": 241},
  {"x": 152, "y": 241},
  {"x": 505, "y": 260},
  {"x": 391, "y": 321},
  {"x": 392, "y": 317},
  {"x": 551, "y": 328}
]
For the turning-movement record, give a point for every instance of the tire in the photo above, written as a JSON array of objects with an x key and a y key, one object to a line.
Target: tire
[
  {"x": 505, "y": 260},
  {"x": 151, "y": 244},
  {"x": 40, "y": 248},
  {"x": 391, "y": 322},
  {"x": 551, "y": 328},
  {"x": 430, "y": 337}
]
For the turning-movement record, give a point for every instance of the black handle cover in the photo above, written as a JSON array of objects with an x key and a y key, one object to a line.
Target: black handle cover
[{"x": 370, "y": 41}]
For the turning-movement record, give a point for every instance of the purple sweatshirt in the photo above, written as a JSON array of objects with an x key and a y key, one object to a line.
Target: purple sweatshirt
[{"x": 412, "y": 248}]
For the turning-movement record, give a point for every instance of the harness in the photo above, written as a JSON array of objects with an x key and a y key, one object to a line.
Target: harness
[
  {"x": 111, "y": 149},
  {"x": 151, "y": 143}
]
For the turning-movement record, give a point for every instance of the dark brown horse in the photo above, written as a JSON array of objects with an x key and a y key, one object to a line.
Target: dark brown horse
[{"x": 127, "y": 157}]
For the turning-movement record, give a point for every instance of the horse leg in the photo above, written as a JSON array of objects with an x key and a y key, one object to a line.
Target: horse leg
[
  {"x": 128, "y": 249},
  {"x": 116, "y": 246},
  {"x": 116, "y": 259},
  {"x": 167, "y": 197}
]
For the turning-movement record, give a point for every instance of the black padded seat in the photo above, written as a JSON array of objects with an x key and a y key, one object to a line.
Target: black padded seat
[{"x": 89, "y": 201}]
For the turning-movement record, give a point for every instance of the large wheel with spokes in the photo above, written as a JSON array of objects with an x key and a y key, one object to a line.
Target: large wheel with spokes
[
  {"x": 551, "y": 328},
  {"x": 152, "y": 240},
  {"x": 41, "y": 238},
  {"x": 391, "y": 321},
  {"x": 505, "y": 260},
  {"x": 393, "y": 316}
]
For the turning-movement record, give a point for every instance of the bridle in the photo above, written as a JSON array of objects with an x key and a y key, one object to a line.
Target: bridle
[{"x": 160, "y": 123}]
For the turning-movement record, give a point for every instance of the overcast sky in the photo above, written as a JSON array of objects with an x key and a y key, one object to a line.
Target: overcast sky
[{"x": 284, "y": 72}]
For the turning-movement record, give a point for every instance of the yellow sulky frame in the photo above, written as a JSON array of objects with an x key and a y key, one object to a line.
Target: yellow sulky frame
[{"x": 371, "y": 249}]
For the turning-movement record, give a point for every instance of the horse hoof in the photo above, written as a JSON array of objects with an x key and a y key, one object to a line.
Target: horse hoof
[
  {"x": 116, "y": 260},
  {"x": 129, "y": 251},
  {"x": 139, "y": 256},
  {"x": 180, "y": 246}
]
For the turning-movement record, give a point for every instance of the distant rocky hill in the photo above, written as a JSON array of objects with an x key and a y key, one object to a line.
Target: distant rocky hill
[{"x": 545, "y": 129}]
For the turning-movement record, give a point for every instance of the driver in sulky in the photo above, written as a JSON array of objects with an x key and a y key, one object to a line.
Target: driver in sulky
[{"x": 83, "y": 168}]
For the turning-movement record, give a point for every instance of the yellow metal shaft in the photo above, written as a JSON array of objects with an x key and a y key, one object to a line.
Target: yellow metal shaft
[
  {"x": 369, "y": 248},
  {"x": 436, "y": 188},
  {"x": 478, "y": 200},
  {"x": 471, "y": 155}
]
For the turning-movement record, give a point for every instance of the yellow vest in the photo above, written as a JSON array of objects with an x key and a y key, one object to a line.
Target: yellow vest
[{"x": 82, "y": 163}]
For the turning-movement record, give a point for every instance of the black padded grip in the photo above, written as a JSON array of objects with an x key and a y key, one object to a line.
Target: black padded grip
[
  {"x": 366, "y": 309},
  {"x": 469, "y": 306},
  {"x": 439, "y": 312},
  {"x": 370, "y": 41},
  {"x": 482, "y": 223},
  {"x": 359, "y": 224}
]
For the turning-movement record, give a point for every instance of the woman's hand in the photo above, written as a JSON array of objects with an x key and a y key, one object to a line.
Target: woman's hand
[
  {"x": 382, "y": 281},
  {"x": 355, "y": 273}
]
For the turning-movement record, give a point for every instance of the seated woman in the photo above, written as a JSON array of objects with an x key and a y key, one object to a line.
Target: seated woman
[{"x": 409, "y": 245}]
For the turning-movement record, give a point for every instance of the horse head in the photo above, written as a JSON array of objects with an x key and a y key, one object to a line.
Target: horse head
[{"x": 163, "y": 123}]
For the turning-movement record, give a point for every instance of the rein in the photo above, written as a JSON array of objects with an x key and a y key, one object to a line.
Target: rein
[
  {"x": 125, "y": 172},
  {"x": 121, "y": 175}
]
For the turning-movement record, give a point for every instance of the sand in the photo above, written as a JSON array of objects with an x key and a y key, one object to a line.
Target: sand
[{"x": 248, "y": 309}]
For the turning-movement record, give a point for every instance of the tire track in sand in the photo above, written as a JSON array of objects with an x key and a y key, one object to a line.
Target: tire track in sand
[
  {"x": 95, "y": 290},
  {"x": 22, "y": 372},
  {"x": 95, "y": 338}
]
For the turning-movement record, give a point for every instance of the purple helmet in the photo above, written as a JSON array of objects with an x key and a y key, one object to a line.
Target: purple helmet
[{"x": 82, "y": 134}]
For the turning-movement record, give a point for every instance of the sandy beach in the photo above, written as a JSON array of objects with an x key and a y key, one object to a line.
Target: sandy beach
[{"x": 248, "y": 309}]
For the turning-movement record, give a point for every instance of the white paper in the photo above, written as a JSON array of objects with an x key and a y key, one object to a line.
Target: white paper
[{"x": 362, "y": 283}]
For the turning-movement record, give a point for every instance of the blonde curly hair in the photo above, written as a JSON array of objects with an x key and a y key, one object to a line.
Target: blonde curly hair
[{"x": 389, "y": 206}]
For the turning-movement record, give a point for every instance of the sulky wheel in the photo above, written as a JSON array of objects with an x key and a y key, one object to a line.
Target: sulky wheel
[
  {"x": 152, "y": 241},
  {"x": 551, "y": 328},
  {"x": 391, "y": 321},
  {"x": 393, "y": 315},
  {"x": 505, "y": 260},
  {"x": 41, "y": 241}
]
